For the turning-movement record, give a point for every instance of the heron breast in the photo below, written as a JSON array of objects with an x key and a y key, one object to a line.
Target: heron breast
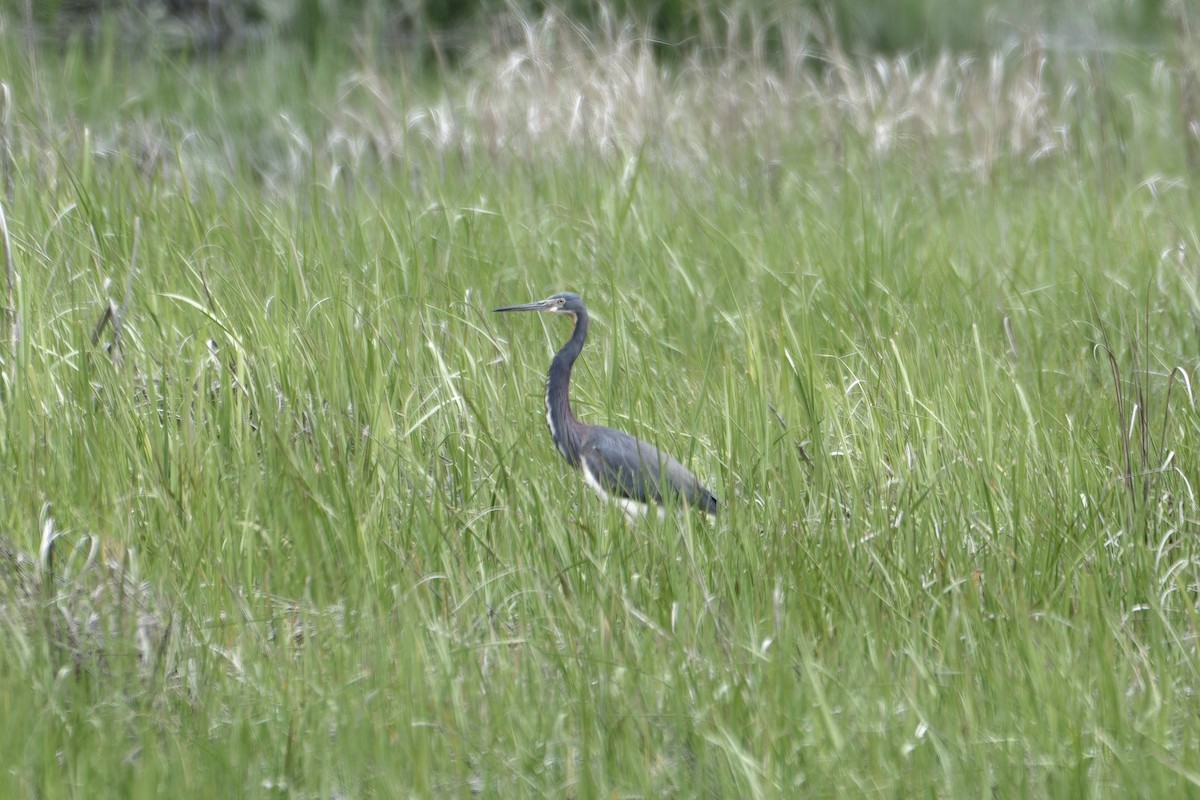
[{"x": 558, "y": 443}]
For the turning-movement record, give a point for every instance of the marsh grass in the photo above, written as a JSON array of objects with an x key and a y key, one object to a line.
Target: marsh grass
[{"x": 928, "y": 331}]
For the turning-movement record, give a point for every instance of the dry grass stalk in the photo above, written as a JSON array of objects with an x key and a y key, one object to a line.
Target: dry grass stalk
[
  {"x": 121, "y": 312},
  {"x": 6, "y": 159},
  {"x": 91, "y": 611},
  {"x": 10, "y": 280},
  {"x": 99, "y": 616},
  {"x": 10, "y": 274}
]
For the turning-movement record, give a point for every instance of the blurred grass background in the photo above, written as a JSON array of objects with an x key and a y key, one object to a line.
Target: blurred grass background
[
  {"x": 278, "y": 512},
  {"x": 447, "y": 29}
]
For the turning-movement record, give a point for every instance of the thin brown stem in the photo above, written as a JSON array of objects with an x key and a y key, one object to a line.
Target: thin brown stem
[{"x": 118, "y": 320}]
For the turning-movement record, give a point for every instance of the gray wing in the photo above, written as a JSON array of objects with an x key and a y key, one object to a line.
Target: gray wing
[{"x": 627, "y": 467}]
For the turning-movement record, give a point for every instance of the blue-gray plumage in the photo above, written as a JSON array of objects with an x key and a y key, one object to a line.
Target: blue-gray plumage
[{"x": 617, "y": 466}]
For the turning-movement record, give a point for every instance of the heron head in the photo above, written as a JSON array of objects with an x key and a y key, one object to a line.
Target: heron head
[{"x": 561, "y": 303}]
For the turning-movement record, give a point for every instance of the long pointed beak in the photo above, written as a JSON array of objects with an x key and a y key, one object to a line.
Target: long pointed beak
[{"x": 540, "y": 305}]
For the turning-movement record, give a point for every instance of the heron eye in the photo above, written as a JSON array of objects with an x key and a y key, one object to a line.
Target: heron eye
[{"x": 562, "y": 301}]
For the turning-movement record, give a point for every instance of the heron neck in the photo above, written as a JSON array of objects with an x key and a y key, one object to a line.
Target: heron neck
[{"x": 562, "y": 422}]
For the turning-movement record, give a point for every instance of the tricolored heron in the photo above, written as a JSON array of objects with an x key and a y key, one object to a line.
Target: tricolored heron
[{"x": 614, "y": 464}]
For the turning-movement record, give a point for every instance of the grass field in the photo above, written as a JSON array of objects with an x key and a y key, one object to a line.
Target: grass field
[{"x": 279, "y": 515}]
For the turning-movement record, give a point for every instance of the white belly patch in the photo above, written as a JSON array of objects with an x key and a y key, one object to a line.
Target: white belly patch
[{"x": 632, "y": 508}]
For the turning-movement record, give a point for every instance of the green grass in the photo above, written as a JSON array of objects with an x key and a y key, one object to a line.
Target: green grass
[{"x": 950, "y": 560}]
